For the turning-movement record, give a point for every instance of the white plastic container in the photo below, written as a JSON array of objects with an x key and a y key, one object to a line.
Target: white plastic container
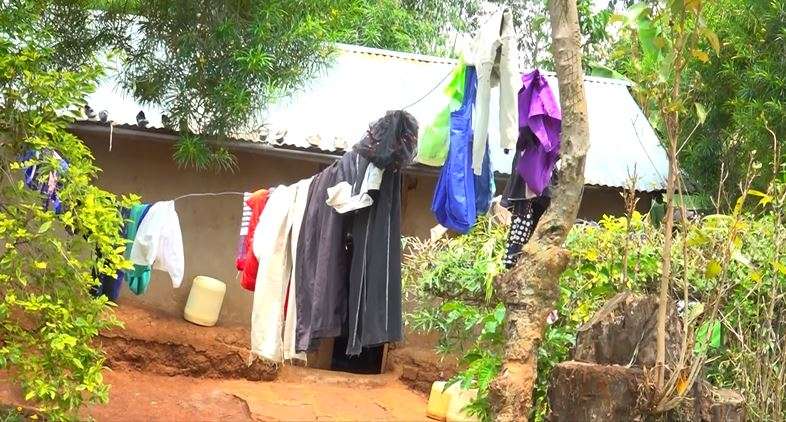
[
  {"x": 438, "y": 401},
  {"x": 204, "y": 301},
  {"x": 459, "y": 399},
  {"x": 448, "y": 405}
]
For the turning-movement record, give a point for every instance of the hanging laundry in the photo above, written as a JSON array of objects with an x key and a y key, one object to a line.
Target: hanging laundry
[
  {"x": 484, "y": 186},
  {"x": 540, "y": 114},
  {"x": 250, "y": 264},
  {"x": 273, "y": 319},
  {"x": 108, "y": 285},
  {"x": 245, "y": 221},
  {"x": 342, "y": 198},
  {"x": 375, "y": 270},
  {"x": 525, "y": 215},
  {"x": 433, "y": 144},
  {"x": 322, "y": 263},
  {"x": 496, "y": 61},
  {"x": 34, "y": 180},
  {"x": 138, "y": 277},
  {"x": 296, "y": 213},
  {"x": 360, "y": 249},
  {"x": 159, "y": 241},
  {"x": 454, "y": 204},
  {"x": 525, "y": 209},
  {"x": 270, "y": 245}
]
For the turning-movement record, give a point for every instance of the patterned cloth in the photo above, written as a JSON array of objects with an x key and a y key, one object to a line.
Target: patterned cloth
[
  {"x": 522, "y": 224},
  {"x": 245, "y": 221},
  {"x": 525, "y": 215}
]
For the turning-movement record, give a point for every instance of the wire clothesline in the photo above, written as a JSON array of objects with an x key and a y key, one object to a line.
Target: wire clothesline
[{"x": 191, "y": 195}]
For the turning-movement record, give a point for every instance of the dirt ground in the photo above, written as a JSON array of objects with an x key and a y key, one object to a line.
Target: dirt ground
[
  {"x": 136, "y": 396},
  {"x": 165, "y": 369}
]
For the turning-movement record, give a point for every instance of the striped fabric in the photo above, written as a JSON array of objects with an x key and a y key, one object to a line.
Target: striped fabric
[{"x": 245, "y": 220}]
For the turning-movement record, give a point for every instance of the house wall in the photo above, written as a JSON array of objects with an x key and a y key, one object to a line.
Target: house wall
[{"x": 210, "y": 225}]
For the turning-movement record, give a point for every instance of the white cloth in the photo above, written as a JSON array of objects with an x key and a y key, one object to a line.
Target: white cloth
[
  {"x": 270, "y": 247},
  {"x": 296, "y": 213},
  {"x": 496, "y": 60},
  {"x": 340, "y": 196},
  {"x": 275, "y": 243},
  {"x": 159, "y": 241}
]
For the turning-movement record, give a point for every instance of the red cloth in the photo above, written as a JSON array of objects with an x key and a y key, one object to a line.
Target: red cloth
[{"x": 257, "y": 203}]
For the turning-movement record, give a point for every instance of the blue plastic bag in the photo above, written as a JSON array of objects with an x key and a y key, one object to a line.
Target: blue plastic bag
[{"x": 455, "y": 203}]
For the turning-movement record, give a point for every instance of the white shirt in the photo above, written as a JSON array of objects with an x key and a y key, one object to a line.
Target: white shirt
[{"x": 159, "y": 241}]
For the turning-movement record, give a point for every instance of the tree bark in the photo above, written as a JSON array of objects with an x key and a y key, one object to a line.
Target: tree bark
[{"x": 530, "y": 289}]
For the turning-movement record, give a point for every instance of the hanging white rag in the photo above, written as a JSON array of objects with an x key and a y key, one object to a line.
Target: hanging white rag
[
  {"x": 340, "y": 196},
  {"x": 271, "y": 247},
  {"x": 496, "y": 60},
  {"x": 159, "y": 242}
]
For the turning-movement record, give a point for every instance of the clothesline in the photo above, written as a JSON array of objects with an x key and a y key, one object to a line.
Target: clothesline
[{"x": 191, "y": 195}]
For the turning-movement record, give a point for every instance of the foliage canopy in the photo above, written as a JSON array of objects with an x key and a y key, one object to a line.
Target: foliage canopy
[{"x": 49, "y": 263}]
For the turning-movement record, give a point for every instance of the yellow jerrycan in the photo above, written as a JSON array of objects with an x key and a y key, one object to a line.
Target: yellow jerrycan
[{"x": 204, "y": 301}]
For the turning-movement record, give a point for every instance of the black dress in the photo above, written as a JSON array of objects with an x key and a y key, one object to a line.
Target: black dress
[
  {"x": 349, "y": 266},
  {"x": 322, "y": 264}
]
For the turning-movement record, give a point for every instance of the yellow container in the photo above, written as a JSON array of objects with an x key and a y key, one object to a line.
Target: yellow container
[
  {"x": 459, "y": 399},
  {"x": 204, "y": 301},
  {"x": 438, "y": 401}
]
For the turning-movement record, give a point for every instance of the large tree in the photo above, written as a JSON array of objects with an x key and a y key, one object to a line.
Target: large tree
[
  {"x": 744, "y": 93},
  {"x": 531, "y": 289}
]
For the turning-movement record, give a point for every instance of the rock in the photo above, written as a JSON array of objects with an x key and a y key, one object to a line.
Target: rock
[
  {"x": 723, "y": 406},
  {"x": 624, "y": 332},
  {"x": 421, "y": 367},
  {"x": 709, "y": 404},
  {"x": 589, "y": 392}
]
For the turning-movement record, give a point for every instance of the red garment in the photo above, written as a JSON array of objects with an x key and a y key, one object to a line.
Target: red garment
[{"x": 257, "y": 203}]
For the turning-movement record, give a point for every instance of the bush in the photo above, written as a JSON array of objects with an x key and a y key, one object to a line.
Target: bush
[
  {"x": 48, "y": 318},
  {"x": 449, "y": 281}
]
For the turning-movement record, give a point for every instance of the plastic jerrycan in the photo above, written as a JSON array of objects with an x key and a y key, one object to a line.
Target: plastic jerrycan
[
  {"x": 447, "y": 405},
  {"x": 204, "y": 301}
]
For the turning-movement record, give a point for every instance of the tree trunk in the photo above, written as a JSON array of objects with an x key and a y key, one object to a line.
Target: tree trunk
[{"x": 531, "y": 289}]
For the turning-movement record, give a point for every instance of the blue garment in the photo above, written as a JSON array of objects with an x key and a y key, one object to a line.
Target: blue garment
[
  {"x": 109, "y": 286},
  {"x": 455, "y": 204},
  {"x": 139, "y": 277},
  {"x": 48, "y": 188},
  {"x": 484, "y": 185}
]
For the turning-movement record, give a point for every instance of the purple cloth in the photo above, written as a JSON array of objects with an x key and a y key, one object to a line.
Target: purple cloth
[{"x": 538, "y": 110}]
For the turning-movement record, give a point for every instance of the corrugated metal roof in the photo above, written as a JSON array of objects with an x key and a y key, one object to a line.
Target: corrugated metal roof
[{"x": 334, "y": 109}]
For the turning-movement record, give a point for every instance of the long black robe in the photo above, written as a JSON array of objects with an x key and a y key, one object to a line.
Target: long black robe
[
  {"x": 322, "y": 265},
  {"x": 361, "y": 297},
  {"x": 375, "y": 271}
]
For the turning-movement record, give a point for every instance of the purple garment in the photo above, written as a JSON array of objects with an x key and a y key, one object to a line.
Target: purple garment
[{"x": 538, "y": 110}]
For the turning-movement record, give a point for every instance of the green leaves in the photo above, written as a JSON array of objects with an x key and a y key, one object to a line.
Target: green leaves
[
  {"x": 713, "y": 269},
  {"x": 708, "y": 336},
  {"x": 44, "y": 227},
  {"x": 712, "y": 38},
  {"x": 701, "y": 113},
  {"x": 48, "y": 318}
]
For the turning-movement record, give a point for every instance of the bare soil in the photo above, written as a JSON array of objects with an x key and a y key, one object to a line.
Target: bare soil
[{"x": 165, "y": 369}]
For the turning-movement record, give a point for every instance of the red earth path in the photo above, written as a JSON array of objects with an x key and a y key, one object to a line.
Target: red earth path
[{"x": 164, "y": 369}]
